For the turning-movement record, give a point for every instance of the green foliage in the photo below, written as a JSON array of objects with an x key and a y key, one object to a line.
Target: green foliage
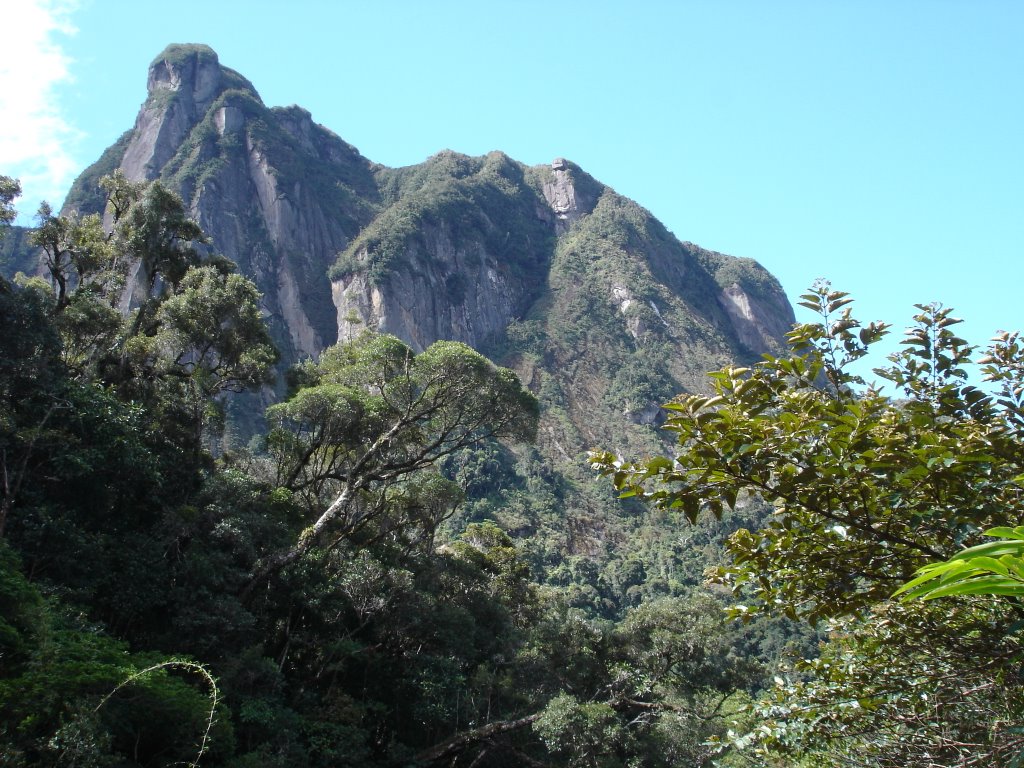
[
  {"x": 754, "y": 279},
  {"x": 21, "y": 610},
  {"x": 491, "y": 550},
  {"x": 995, "y": 568},
  {"x": 480, "y": 203},
  {"x": 9, "y": 190},
  {"x": 351, "y": 606},
  {"x": 64, "y": 686},
  {"x": 156, "y": 230},
  {"x": 86, "y": 196},
  {"x": 14, "y": 253},
  {"x": 80, "y": 258},
  {"x": 211, "y": 331},
  {"x": 655, "y": 689},
  {"x": 178, "y": 53},
  {"x": 915, "y": 684},
  {"x": 864, "y": 490},
  {"x": 359, "y": 442},
  {"x": 588, "y": 733}
]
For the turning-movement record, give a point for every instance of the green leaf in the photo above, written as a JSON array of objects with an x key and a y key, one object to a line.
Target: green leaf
[{"x": 985, "y": 585}]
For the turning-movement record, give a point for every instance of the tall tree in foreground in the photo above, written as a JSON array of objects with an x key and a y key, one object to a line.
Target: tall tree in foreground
[
  {"x": 9, "y": 189},
  {"x": 94, "y": 469},
  {"x": 865, "y": 489},
  {"x": 358, "y": 443},
  {"x": 182, "y": 330}
]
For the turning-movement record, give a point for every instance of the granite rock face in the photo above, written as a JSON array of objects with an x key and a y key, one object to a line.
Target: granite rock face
[
  {"x": 182, "y": 85},
  {"x": 560, "y": 194},
  {"x": 759, "y": 322},
  {"x": 449, "y": 292}
]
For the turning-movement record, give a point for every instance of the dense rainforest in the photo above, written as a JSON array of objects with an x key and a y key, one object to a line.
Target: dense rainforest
[
  {"x": 318, "y": 598},
  {"x": 227, "y": 541},
  {"x": 312, "y": 599}
]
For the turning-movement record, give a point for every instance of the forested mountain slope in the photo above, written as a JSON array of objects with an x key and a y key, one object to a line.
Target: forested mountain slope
[{"x": 600, "y": 310}]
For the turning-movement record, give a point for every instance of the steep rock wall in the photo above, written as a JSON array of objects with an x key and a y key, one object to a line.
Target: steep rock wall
[
  {"x": 457, "y": 292},
  {"x": 475, "y": 260},
  {"x": 181, "y": 85},
  {"x": 759, "y": 322},
  {"x": 269, "y": 187}
]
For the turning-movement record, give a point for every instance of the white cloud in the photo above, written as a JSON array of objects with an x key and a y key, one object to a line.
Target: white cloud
[{"x": 35, "y": 137}]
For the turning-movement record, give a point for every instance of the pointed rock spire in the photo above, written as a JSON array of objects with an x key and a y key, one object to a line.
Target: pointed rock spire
[{"x": 183, "y": 82}]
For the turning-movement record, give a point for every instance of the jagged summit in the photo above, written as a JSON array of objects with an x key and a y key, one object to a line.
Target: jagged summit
[
  {"x": 183, "y": 83},
  {"x": 194, "y": 69}
]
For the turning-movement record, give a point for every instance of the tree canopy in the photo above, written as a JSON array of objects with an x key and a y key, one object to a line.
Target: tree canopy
[
  {"x": 863, "y": 489},
  {"x": 371, "y": 417}
]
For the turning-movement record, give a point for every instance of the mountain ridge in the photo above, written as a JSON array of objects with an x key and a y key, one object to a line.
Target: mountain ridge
[{"x": 282, "y": 196}]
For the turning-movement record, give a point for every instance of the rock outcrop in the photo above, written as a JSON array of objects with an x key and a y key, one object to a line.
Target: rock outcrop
[
  {"x": 183, "y": 82},
  {"x": 561, "y": 195},
  {"x": 448, "y": 292},
  {"x": 759, "y": 322},
  {"x": 474, "y": 263}
]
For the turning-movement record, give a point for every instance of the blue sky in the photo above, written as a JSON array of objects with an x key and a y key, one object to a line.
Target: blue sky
[{"x": 876, "y": 144}]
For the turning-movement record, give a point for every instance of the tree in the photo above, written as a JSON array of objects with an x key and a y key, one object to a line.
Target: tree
[
  {"x": 150, "y": 229},
  {"x": 9, "y": 189},
  {"x": 208, "y": 339},
  {"x": 862, "y": 490},
  {"x": 211, "y": 331},
  {"x": 29, "y": 375},
  {"x": 372, "y": 416},
  {"x": 80, "y": 254},
  {"x": 193, "y": 327},
  {"x": 154, "y": 228},
  {"x": 70, "y": 695}
]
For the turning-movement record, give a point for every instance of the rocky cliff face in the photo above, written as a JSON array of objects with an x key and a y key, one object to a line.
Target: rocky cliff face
[
  {"x": 275, "y": 192},
  {"x": 448, "y": 292},
  {"x": 601, "y": 309},
  {"x": 473, "y": 262},
  {"x": 182, "y": 85}
]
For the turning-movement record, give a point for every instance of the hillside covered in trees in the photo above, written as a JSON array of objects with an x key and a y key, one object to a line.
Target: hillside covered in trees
[
  {"x": 315, "y": 600},
  {"x": 266, "y": 502}
]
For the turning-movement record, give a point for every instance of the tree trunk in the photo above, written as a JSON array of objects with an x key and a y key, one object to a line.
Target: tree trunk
[{"x": 462, "y": 740}]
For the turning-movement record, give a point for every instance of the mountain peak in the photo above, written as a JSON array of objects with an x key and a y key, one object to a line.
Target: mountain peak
[
  {"x": 193, "y": 69},
  {"x": 482, "y": 250},
  {"x": 179, "y": 53},
  {"x": 184, "y": 82}
]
